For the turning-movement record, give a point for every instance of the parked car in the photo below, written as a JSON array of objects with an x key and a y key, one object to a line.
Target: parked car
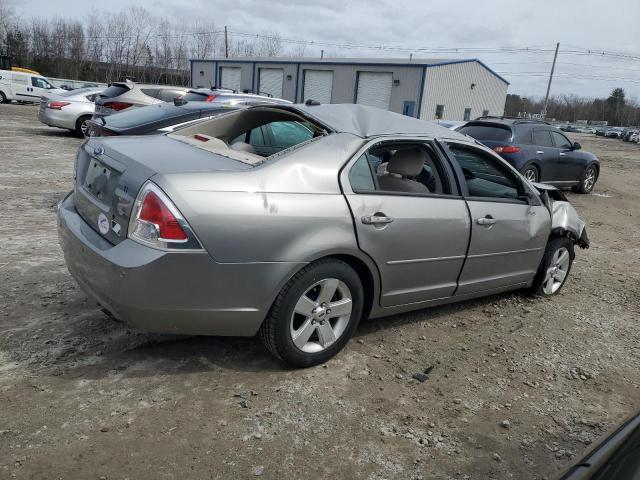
[
  {"x": 627, "y": 133},
  {"x": 164, "y": 116},
  {"x": 229, "y": 97},
  {"x": 541, "y": 152},
  {"x": 119, "y": 96},
  {"x": 24, "y": 87},
  {"x": 616, "y": 458},
  {"x": 71, "y": 110},
  {"x": 635, "y": 138},
  {"x": 450, "y": 124},
  {"x": 359, "y": 212},
  {"x": 601, "y": 131},
  {"x": 613, "y": 132}
]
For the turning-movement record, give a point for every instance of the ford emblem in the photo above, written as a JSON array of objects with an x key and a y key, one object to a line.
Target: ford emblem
[{"x": 99, "y": 150}]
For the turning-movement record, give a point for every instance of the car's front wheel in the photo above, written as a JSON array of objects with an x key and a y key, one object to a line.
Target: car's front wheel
[
  {"x": 315, "y": 314},
  {"x": 554, "y": 267}
]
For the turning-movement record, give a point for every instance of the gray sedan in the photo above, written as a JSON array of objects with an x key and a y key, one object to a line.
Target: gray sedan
[
  {"x": 71, "y": 110},
  {"x": 359, "y": 213}
]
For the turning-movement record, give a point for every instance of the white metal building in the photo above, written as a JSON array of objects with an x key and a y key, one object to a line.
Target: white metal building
[{"x": 427, "y": 88}]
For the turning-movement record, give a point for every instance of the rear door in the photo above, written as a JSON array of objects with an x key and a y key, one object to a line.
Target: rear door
[
  {"x": 22, "y": 89},
  {"x": 508, "y": 233},
  {"x": 547, "y": 155},
  {"x": 418, "y": 240}
]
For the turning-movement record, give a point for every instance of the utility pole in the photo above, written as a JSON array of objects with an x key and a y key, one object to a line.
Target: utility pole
[
  {"x": 226, "y": 43},
  {"x": 553, "y": 67},
  {"x": 321, "y": 54}
]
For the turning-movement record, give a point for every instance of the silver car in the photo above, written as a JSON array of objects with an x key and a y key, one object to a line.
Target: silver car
[
  {"x": 71, "y": 110},
  {"x": 119, "y": 96},
  {"x": 360, "y": 213}
]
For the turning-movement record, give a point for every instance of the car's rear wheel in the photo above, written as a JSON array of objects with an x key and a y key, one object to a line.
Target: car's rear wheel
[
  {"x": 3, "y": 98},
  {"x": 554, "y": 267},
  {"x": 588, "y": 180},
  {"x": 315, "y": 314},
  {"x": 531, "y": 173},
  {"x": 82, "y": 126}
]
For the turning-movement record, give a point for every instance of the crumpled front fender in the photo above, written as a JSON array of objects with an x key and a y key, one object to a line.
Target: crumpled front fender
[{"x": 565, "y": 218}]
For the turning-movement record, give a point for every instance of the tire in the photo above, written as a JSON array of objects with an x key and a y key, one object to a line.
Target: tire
[
  {"x": 587, "y": 182},
  {"x": 314, "y": 335},
  {"x": 531, "y": 173},
  {"x": 553, "y": 270},
  {"x": 3, "y": 98},
  {"x": 79, "y": 126}
]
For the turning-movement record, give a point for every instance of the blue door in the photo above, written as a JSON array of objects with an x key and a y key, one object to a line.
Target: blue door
[{"x": 408, "y": 108}]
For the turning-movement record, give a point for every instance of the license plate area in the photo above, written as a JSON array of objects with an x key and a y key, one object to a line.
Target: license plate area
[{"x": 101, "y": 181}]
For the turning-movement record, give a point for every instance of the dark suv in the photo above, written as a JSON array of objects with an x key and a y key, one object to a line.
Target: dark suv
[{"x": 541, "y": 152}]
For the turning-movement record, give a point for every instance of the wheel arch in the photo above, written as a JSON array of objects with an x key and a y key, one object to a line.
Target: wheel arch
[{"x": 535, "y": 163}]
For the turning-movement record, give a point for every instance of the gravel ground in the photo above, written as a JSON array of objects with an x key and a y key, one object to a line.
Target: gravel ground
[{"x": 520, "y": 387}]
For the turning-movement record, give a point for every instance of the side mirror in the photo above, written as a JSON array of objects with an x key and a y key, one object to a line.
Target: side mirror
[{"x": 577, "y": 146}]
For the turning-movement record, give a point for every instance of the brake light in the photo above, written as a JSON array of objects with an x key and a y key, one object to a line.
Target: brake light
[
  {"x": 507, "y": 149},
  {"x": 57, "y": 105},
  {"x": 117, "y": 106},
  {"x": 211, "y": 98},
  {"x": 156, "y": 222}
]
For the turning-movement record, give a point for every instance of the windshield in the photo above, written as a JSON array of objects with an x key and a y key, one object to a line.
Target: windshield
[{"x": 144, "y": 115}]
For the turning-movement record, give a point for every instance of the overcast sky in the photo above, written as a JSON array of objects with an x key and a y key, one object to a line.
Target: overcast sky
[{"x": 613, "y": 27}]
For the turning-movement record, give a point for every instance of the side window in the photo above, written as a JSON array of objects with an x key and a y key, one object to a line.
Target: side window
[
  {"x": 288, "y": 134},
  {"x": 92, "y": 97},
  {"x": 486, "y": 176},
  {"x": 542, "y": 138},
  {"x": 152, "y": 92},
  {"x": 561, "y": 141},
  {"x": 360, "y": 175},
  {"x": 39, "y": 82},
  {"x": 439, "y": 112},
  {"x": 167, "y": 95},
  {"x": 399, "y": 168}
]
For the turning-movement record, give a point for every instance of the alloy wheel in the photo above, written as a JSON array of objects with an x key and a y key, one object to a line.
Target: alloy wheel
[
  {"x": 84, "y": 127},
  {"x": 321, "y": 315},
  {"x": 531, "y": 175},
  {"x": 589, "y": 179},
  {"x": 557, "y": 271}
]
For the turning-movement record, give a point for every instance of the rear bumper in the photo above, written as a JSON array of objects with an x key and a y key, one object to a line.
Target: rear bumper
[
  {"x": 56, "y": 118},
  {"x": 184, "y": 293}
]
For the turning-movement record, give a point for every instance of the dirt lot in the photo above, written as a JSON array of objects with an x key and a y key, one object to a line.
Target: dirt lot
[{"x": 84, "y": 397}]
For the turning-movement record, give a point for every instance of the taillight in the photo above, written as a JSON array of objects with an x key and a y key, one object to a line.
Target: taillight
[
  {"x": 507, "y": 149},
  {"x": 211, "y": 98},
  {"x": 117, "y": 106},
  {"x": 57, "y": 105},
  {"x": 156, "y": 222}
]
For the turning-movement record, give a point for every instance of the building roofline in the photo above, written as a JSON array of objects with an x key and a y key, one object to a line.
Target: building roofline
[{"x": 398, "y": 62}]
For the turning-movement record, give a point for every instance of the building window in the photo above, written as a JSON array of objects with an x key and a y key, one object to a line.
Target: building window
[
  {"x": 439, "y": 112},
  {"x": 467, "y": 114},
  {"x": 485, "y": 113}
]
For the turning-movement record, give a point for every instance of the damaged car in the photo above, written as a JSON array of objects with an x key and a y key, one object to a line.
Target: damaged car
[{"x": 355, "y": 212}]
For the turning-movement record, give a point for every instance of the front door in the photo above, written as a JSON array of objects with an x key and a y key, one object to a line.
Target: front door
[
  {"x": 547, "y": 155},
  {"x": 509, "y": 233},
  {"x": 570, "y": 168},
  {"x": 409, "y": 222}
]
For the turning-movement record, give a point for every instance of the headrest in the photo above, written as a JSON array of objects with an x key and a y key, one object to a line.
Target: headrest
[{"x": 407, "y": 163}]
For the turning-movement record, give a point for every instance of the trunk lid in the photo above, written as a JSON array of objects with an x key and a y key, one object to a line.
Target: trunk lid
[{"x": 111, "y": 171}]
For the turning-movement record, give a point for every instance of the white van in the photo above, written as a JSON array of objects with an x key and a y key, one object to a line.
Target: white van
[{"x": 24, "y": 87}]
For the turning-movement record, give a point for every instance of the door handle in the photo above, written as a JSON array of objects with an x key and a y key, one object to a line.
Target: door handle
[
  {"x": 375, "y": 219},
  {"x": 540, "y": 152},
  {"x": 487, "y": 221},
  {"x": 562, "y": 154}
]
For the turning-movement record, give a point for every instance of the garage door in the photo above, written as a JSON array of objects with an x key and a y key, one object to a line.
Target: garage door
[
  {"x": 318, "y": 85},
  {"x": 374, "y": 89},
  {"x": 271, "y": 82},
  {"x": 230, "y": 78}
]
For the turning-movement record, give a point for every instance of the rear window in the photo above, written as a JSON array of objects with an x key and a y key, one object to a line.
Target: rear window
[
  {"x": 486, "y": 132},
  {"x": 196, "y": 96},
  {"x": 114, "y": 91},
  {"x": 144, "y": 115}
]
